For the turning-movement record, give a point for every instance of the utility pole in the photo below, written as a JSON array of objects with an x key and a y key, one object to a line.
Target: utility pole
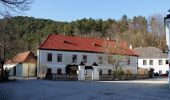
[{"x": 167, "y": 28}]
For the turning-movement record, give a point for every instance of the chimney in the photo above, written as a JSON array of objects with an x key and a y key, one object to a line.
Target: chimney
[
  {"x": 130, "y": 47},
  {"x": 109, "y": 39}
]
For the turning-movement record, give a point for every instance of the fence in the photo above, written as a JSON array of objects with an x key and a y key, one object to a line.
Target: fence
[
  {"x": 65, "y": 76},
  {"x": 106, "y": 77}
]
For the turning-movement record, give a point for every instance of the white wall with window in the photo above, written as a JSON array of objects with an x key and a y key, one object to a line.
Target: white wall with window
[
  {"x": 57, "y": 61},
  {"x": 160, "y": 65}
]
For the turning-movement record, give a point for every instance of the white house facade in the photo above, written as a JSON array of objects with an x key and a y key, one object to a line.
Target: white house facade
[
  {"x": 54, "y": 57},
  {"x": 152, "y": 58}
]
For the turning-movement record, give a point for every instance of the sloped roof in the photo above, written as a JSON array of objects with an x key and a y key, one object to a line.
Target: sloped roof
[
  {"x": 150, "y": 52},
  {"x": 27, "y": 57},
  {"x": 84, "y": 44}
]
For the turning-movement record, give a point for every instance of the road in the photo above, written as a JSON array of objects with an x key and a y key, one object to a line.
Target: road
[{"x": 33, "y": 89}]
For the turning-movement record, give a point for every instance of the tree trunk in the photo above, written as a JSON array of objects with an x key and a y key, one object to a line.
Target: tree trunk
[{"x": 2, "y": 68}]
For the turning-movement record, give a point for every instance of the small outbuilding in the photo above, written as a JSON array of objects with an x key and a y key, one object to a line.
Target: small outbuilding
[{"x": 22, "y": 65}]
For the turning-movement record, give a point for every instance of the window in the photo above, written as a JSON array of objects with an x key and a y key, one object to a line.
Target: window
[
  {"x": 100, "y": 72},
  {"x": 109, "y": 72},
  {"x": 84, "y": 58},
  {"x": 59, "y": 57},
  {"x": 85, "y": 72},
  {"x": 150, "y": 62},
  {"x": 167, "y": 62},
  {"x": 59, "y": 70},
  {"x": 48, "y": 70},
  {"x": 160, "y": 62},
  {"x": 74, "y": 58},
  {"x": 100, "y": 60},
  {"x": 160, "y": 72},
  {"x": 49, "y": 57},
  {"x": 128, "y": 61},
  {"x": 144, "y": 62}
]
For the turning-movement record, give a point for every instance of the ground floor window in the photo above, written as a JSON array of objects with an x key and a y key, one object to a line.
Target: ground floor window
[
  {"x": 167, "y": 62},
  {"x": 59, "y": 71},
  {"x": 160, "y": 72},
  {"x": 100, "y": 72},
  {"x": 109, "y": 72},
  {"x": 48, "y": 70},
  {"x": 85, "y": 72}
]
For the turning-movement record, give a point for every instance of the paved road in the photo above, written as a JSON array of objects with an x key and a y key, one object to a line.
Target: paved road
[{"x": 32, "y": 89}]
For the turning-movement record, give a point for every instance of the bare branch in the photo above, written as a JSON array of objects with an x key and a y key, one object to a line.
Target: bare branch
[{"x": 15, "y": 5}]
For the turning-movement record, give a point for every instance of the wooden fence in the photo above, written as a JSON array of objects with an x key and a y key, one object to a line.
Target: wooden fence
[{"x": 106, "y": 77}]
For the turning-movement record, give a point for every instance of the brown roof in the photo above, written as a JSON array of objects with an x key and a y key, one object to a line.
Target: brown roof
[
  {"x": 150, "y": 52},
  {"x": 83, "y": 44},
  {"x": 27, "y": 57}
]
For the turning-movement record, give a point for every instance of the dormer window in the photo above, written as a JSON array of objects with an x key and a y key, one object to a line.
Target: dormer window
[
  {"x": 97, "y": 45},
  {"x": 68, "y": 42}
]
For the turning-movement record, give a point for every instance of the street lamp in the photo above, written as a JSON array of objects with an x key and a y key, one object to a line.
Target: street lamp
[{"x": 167, "y": 28}]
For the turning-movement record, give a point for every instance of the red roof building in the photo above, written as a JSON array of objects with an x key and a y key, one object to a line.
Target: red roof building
[
  {"x": 25, "y": 57},
  {"x": 84, "y": 44}
]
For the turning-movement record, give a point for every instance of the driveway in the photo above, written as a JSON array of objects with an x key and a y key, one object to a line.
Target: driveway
[{"x": 32, "y": 89}]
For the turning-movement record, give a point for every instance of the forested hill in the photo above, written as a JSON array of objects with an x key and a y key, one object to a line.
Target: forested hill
[{"x": 138, "y": 31}]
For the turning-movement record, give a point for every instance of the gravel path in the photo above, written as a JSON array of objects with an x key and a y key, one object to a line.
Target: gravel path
[{"x": 32, "y": 89}]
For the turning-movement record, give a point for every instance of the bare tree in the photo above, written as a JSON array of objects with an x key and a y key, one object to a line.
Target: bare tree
[
  {"x": 14, "y": 5},
  {"x": 8, "y": 34},
  {"x": 9, "y": 41},
  {"x": 111, "y": 50}
]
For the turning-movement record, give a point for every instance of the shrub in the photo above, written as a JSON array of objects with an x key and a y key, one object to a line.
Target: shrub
[{"x": 118, "y": 73}]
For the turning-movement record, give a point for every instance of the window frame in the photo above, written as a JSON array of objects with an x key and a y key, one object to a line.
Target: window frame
[
  {"x": 144, "y": 62},
  {"x": 84, "y": 58},
  {"x": 74, "y": 58},
  {"x": 59, "y": 70},
  {"x": 59, "y": 57},
  {"x": 100, "y": 60},
  {"x": 166, "y": 61},
  {"x": 160, "y": 63},
  {"x": 150, "y": 62},
  {"x": 49, "y": 57},
  {"x": 128, "y": 61}
]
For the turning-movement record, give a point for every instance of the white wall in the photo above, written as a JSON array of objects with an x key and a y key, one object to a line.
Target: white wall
[
  {"x": 67, "y": 59},
  {"x": 155, "y": 65},
  {"x": 29, "y": 70},
  {"x": 19, "y": 69}
]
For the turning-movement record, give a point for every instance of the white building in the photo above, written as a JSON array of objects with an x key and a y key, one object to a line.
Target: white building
[
  {"x": 152, "y": 58},
  {"x": 59, "y": 51}
]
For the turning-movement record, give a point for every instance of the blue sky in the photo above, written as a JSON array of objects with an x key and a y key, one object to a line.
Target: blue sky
[{"x": 69, "y": 10}]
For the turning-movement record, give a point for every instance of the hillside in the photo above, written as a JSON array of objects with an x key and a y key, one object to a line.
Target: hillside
[{"x": 138, "y": 31}]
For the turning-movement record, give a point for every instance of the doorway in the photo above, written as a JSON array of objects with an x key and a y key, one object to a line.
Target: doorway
[{"x": 14, "y": 69}]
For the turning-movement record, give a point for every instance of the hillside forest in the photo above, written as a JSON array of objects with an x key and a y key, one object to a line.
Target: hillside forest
[{"x": 137, "y": 31}]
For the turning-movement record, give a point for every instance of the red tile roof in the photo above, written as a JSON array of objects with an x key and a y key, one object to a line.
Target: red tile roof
[
  {"x": 27, "y": 57},
  {"x": 84, "y": 44}
]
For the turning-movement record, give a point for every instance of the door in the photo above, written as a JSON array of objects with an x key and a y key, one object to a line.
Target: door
[
  {"x": 59, "y": 71},
  {"x": 48, "y": 70},
  {"x": 14, "y": 69}
]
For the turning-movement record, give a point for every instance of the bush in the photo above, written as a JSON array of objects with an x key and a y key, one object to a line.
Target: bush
[{"x": 118, "y": 73}]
